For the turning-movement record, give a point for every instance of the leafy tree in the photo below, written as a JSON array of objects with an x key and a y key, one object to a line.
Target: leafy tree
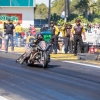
[
  {"x": 96, "y": 20},
  {"x": 72, "y": 16},
  {"x": 97, "y": 14},
  {"x": 41, "y": 11},
  {"x": 73, "y": 10},
  {"x": 87, "y": 6},
  {"x": 61, "y": 22},
  {"x": 83, "y": 20},
  {"x": 83, "y": 4},
  {"x": 57, "y": 7},
  {"x": 98, "y": 4},
  {"x": 86, "y": 10},
  {"x": 55, "y": 18}
]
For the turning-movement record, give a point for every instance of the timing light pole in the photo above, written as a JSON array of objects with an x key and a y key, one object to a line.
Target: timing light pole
[
  {"x": 68, "y": 6},
  {"x": 65, "y": 10},
  {"x": 49, "y": 13}
]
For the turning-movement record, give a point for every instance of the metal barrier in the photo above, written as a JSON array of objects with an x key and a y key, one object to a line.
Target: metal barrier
[{"x": 19, "y": 42}]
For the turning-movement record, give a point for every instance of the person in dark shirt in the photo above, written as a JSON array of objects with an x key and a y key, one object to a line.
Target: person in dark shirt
[
  {"x": 43, "y": 29},
  {"x": 77, "y": 32},
  {"x": 9, "y": 30},
  {"x": 54, "y": 39},
  {"x": 66, "y": 31}
]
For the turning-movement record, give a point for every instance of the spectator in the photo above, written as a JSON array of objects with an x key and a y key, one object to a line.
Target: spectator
[
  {"x": 33, "y": 30},
  {"x": 55, "y": 33},
  {"x": 89, "y": 28},
  {"x": 78, "y": 30},
  {"x": 92, "y": 28},
  {"x": 98, "y": 30},
  {"x": 30, "y": 27},
  {"x": 9, "y": 29},
  {"x": 18, "y": 30},
  {"x": 66, "y": 34},
  {"x": 43, "y": 28},
  {"x": 23, "y": 34}
]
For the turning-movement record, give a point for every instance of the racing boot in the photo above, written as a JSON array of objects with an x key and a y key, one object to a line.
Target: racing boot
[{"x": 22, "y": 61}]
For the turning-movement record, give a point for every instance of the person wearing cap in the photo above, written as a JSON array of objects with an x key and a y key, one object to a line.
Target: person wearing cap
[
  {"x": 9, "y": 30},
  {"x": 77, "y": 32},
  {"x": 55, "y": 33},
  {"x": 18, "y": 30},
  {"x": 66, "y": 32},
  {"x": 43, "y": 28}
]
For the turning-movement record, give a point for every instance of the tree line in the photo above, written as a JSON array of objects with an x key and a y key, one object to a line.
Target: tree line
[{"x": 87, "y": 10}]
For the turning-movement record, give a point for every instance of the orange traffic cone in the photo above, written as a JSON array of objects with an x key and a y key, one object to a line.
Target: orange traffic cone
[{"x": 3, "y": 45}]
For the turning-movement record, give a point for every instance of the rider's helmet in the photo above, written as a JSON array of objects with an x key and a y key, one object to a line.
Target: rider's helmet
[{"x": 39, "y": 37}]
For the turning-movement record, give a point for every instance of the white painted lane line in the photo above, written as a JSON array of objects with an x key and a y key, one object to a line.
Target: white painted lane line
[
  {"x": 2, "y": 98},
  {"x": 82, "y": 64},
  {"x": 18, "y": 53},
  {"x": 2, "y": 50},
  {"x": 11, "y": 52}
]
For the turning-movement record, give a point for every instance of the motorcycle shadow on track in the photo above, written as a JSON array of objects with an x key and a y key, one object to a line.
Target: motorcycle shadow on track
[
  {"x": 53, "y": 66},
  {"x": 39, "y": 66}
]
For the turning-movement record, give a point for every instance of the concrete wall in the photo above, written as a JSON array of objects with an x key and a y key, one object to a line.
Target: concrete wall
[{"x": 27, "y": 14}]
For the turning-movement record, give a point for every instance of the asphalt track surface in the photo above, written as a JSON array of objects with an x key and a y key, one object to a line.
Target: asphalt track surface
[{"x": 60, "y": 81}]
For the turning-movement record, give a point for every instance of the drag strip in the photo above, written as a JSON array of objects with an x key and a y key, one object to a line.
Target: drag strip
[
  {"x": 60, "y": 81},
  {"x": 88, "y": 65}
]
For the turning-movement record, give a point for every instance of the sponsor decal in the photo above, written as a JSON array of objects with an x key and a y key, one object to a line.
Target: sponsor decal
[{"x": 13, "y": 17}]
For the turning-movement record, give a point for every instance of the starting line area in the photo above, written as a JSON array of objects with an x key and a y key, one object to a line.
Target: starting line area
[
  {"x": 63, "y": 56},
  {"x": 60, "y": 56}
]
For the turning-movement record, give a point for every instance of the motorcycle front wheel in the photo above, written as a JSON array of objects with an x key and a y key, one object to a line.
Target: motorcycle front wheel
[{"x": 45, "y": 60}]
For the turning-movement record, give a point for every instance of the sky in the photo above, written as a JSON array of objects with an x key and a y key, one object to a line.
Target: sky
[{"x": 43, "y": 1}]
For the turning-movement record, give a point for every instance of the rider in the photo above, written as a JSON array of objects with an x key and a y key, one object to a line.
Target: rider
[{"x": 36, "y": 40}]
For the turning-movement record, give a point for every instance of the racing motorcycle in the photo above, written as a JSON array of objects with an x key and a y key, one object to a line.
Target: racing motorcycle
[{"x": 36, "y": 54}]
